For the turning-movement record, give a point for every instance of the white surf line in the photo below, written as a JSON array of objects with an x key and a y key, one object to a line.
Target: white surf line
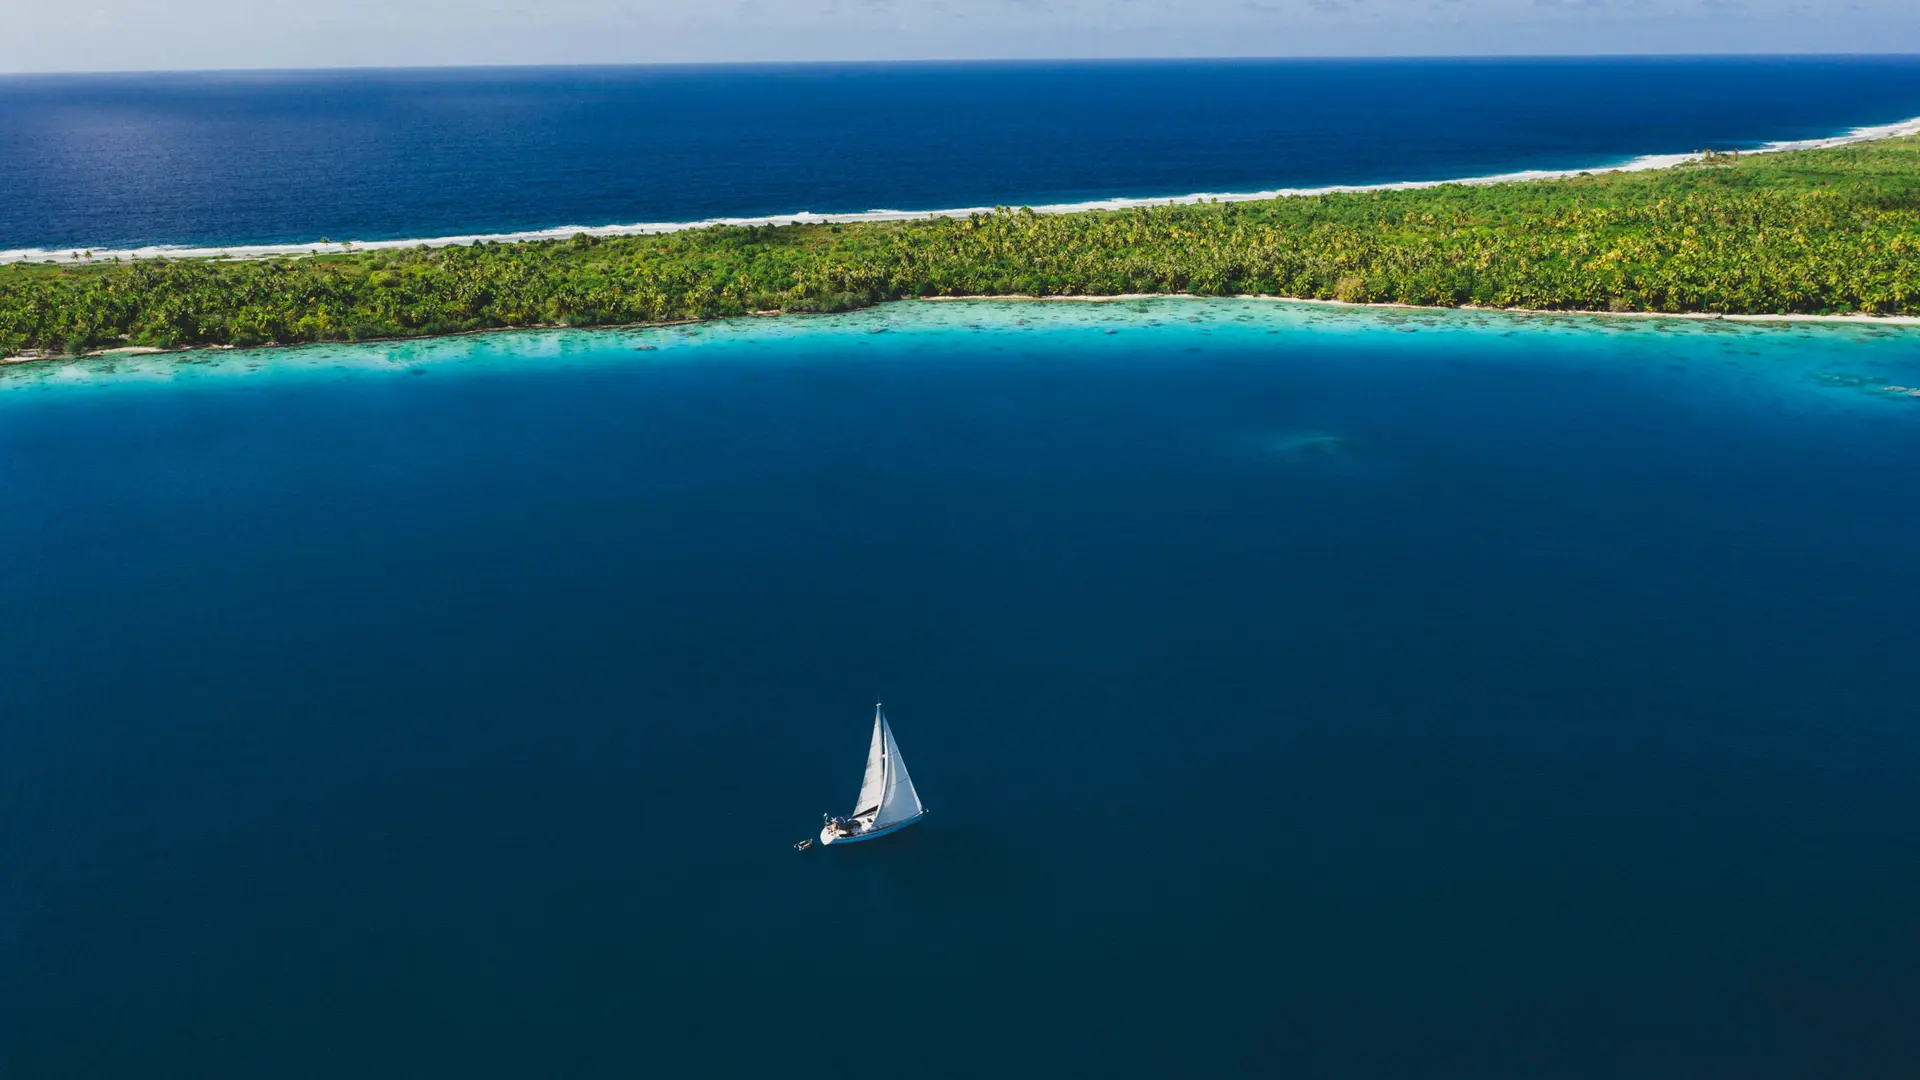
[{"x": 562, "y": 232}]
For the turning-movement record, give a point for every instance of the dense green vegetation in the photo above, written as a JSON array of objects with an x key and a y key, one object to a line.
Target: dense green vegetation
[{"x": 1820, "y": 231}]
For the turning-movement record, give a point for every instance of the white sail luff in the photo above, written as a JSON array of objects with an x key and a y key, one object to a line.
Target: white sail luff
[
  {"x": 898, "y": 800},
  {"x": 873, "y": 784}
]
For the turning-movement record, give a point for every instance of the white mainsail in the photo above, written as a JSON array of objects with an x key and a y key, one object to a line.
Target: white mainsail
[
  {"x": 898, "y": 800},
  {"x": 873, "y": 784},
  {"x": 887, "y": 799}
]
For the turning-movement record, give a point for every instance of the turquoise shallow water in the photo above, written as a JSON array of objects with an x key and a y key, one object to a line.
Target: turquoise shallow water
[
  {"x": 1296, "y": 689},
  {"x": 1794, "y": 364}
]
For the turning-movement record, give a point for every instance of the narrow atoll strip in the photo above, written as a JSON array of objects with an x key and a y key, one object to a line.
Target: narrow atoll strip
[{"x": 1827, "y": 234}]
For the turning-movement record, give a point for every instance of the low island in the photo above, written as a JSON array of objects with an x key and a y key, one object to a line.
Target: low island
[{"x": 1833, "y": 231}]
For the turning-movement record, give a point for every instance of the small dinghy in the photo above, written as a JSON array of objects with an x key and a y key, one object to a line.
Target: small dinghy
[{"x": 887, "y": 801}]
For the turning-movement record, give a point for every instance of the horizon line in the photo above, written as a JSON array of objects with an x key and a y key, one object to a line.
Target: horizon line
[{"x": 930, "y": 61}]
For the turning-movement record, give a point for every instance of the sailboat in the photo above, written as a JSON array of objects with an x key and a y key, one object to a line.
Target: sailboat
[{"x": 887, "y": 801}]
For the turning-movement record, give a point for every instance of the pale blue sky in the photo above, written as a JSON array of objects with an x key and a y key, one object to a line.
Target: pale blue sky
[{"x": 57, "y": 35}]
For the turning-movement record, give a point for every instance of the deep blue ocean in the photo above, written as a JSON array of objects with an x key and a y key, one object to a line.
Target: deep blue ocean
[
  {"x": 120, "y": 161},
  {"x": 1297, "y": 693}
]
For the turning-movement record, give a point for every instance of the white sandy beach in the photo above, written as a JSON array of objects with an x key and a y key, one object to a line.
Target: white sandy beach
[
  {"x": 1876, "y": 320},
  {"x": 1883, "y": 320}
]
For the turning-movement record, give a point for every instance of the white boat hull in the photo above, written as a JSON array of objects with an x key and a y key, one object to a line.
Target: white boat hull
[{"x": 829, "y": 836}]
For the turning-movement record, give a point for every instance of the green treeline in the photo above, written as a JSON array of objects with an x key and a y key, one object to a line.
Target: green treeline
[{"x": 1822, "y": 231}]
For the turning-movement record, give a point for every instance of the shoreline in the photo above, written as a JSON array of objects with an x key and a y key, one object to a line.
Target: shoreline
[
  {"x": 149, "y": 350},
  {"x": 1643, "y": 163},
  {"x": 1698, "y": 316}
]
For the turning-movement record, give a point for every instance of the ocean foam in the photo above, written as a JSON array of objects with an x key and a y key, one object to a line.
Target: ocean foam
[{"x": 562, "y": 232}]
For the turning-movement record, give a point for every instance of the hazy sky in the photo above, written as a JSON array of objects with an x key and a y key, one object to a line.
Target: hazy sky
[{"x": 68, "y": 35}]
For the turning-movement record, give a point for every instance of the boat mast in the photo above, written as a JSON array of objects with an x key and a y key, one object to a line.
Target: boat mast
[{"x": 886, "y": 759}]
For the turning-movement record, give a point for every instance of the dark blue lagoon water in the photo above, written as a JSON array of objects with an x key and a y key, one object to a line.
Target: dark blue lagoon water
[
  {"x": 226, "y": 159},
  {"x": 1297, "y": 692}
]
